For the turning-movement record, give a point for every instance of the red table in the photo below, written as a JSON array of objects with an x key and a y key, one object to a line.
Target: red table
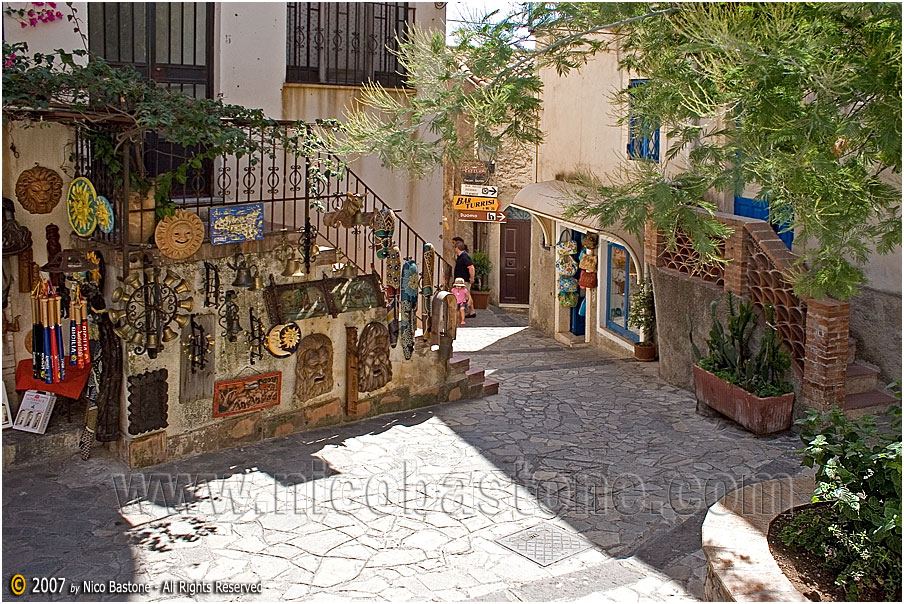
[{"x": 71, "y": 387}]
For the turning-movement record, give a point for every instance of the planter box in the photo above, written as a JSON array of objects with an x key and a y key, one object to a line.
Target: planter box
[
  {"x": 481, "y": 299},
  {"x": 645, "y": 353},
  {"x": 759, "y": 415}
]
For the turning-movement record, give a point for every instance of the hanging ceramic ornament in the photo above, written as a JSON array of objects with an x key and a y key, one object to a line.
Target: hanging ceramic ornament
[
  {"x": 409, "y": 293},
  {"x": 273, "y": 342},
  {"x": 81, "y": 206},
  {"x": 104, "y": 215},
  {"x": 180, "y": 235},
  {"x": 39, "y": 189}
]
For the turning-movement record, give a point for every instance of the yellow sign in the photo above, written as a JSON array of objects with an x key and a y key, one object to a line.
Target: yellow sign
[{"x": 465, "y": 202}]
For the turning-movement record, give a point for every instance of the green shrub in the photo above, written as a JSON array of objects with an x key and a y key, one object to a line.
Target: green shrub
[
  {"x": 730, "y": 358},
  {"x": 642, "y": 311},
  {"x": 482, "y": 268},
  {"x": 858, "y": 475}
]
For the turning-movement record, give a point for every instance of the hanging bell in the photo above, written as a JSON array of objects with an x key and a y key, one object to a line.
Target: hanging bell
[
  {"x": 125, "y": 332},
  {"x": 181, "y": 287},
  {"x": 292, "y": 267},
  {"x": 243, "y": 277},
  {"x": 152, "y": 341},
  {"x": 116, "y": 315},
  {"x": 299, "y": 270},
  {"x": 170, "y": 334},
  {"x": 171, "y": 279},
  {"x": 119, "y": 294},
  {"x": 133, "y": 280},
  {"x": 181, "y": 320},
  {"x": 258, "y": 283},
  {"x": 187, "y": 304},
  {"x": 137, "y": 339}
]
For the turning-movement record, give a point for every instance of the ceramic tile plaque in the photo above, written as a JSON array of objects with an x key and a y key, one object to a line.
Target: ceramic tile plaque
[
  {"x": 246, "y": 394},
  {"x": 234, "y": 224}
]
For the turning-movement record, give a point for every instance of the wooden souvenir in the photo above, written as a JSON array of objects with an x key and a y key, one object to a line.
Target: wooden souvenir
[
  {"x": 148, "y": 398},
  {"x": 234, "y": 224},
  {"x": 374, "y": 368},
  {"x": 16, "y": 238},
  {"x": 180, "y": 235},
  {"x": 314, "y": 367},
  {"x": 199, "y": 348},
  {"x": 39, "y": 189},
  {"x": 29, "y": 272},
  {"x": 246, "y": 394},
  {"x": 81, "y": 206},
  {"x": 52, "y": 232},
  {"x": 351, "y": 369}
]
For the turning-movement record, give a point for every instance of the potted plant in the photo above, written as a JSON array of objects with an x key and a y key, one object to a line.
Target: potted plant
[
  {"x": 480, "y": 290},
  {"x": 642, "y": 315},
  {"x": 746, "y": 387}
]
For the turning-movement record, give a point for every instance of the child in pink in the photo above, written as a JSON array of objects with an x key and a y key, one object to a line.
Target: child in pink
[{"x": 460, "y": 291}]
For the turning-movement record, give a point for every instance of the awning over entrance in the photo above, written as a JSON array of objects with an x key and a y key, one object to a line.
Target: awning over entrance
[{"x": 547, "y": 201}]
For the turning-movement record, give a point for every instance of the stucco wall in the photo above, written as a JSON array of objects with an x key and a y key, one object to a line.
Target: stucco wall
[{"x": 876, "y": 325}]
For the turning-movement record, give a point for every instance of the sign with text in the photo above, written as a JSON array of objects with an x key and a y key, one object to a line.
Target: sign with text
[
  {"x": 480, "y": 190},
  {"x": 466, "y": 202},
  {"x": 475, "y": 173},
  {"x": 481, "y": 216}
]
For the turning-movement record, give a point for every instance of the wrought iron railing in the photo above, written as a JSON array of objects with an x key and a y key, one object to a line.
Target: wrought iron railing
[
  {"x": 289, "y": 186},
  {"x": 346, "y": 43}
]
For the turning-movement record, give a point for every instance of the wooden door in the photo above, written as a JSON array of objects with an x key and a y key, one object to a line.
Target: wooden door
[{"x": 514, "y": 260}]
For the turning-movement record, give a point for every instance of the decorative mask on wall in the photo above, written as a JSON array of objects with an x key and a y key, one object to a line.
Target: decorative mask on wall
[
  {"x": 39, "y": 189},
  {"x": 374, "y": 368},
  {"x": 180, "y": 235},
  {"x": 314, "y": 367}
]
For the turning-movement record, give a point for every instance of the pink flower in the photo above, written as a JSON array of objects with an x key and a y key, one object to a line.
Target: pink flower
[
  {"x": 33, "y": 22},
  {"x": 37, "y": 3},
  {"x": 51, "y": 4},
  {"x": 23, "y": 24},
  {"x": 59, "y": 15}
]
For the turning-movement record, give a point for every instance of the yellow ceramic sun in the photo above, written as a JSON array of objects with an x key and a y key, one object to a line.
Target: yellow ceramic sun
[
  {"x": 180, "y": 235},
  {"x": 81, "y": 205}
]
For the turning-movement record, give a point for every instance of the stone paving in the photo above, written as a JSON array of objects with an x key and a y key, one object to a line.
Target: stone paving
[{"x": 408, "y": 506}]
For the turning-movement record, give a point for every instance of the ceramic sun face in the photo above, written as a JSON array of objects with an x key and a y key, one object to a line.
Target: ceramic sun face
[
  {"x": 81, "y": 202},
  {"x": 180, "y": 235},
  {"x": 104, "y": 215}
]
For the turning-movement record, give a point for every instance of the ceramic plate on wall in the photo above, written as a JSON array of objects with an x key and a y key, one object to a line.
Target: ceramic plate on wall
[
  {"x": 104, "y": 215},
  {"x": 81, "y": 206}
]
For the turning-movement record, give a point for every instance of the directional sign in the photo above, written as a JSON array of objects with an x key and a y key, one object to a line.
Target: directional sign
[
  {"x": 481, "y": 216},
  {"x": 463, "y": 202},
  {"x": 480, "y": 190}
]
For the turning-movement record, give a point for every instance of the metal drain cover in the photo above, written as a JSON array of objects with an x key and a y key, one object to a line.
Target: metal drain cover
[{"x": 544, "y": 544}]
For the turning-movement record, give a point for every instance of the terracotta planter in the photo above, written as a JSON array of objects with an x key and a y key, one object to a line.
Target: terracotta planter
[
  {"x": 645, "y": 352},
  {"x": 481, "y": 299},
  {"x": 759, "y": 415}
]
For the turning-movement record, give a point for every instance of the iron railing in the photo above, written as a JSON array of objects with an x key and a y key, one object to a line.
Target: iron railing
[
  {"x": 346, "y": 43},
  {"x": 289, "y": 186}
]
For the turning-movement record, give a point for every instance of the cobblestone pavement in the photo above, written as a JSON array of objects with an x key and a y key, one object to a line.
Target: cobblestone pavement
[{"x": 409, "y": 506}]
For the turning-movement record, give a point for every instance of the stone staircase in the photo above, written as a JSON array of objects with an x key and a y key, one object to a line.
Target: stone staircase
[
  {"x": 862, "y": 393},
  {"x": 478, "y": 384}
]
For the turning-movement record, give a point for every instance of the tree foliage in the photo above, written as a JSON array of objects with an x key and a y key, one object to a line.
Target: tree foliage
[{"x": 800, "y": 102}]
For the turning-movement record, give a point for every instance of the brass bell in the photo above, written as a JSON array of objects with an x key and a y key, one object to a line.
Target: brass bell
[
  {"x": 187, "y": 304},
  {"x": 118, "y": 294},
  {"x": 292, "y": 267},
  {"x": 116, "y": 315},
  {"x": 125, "y": 332},
  {"x": 133, "y": 281},
  {"x": 171, "y": 279},
  {"x": 258, "y": 283},
  {"x": 181, "y": 320},
  {"x": 137, "y": 339},
  {"x": 152, "y": 341},
  {"x": 169, "y": 334},
  {"x": 181, "y": 287}
]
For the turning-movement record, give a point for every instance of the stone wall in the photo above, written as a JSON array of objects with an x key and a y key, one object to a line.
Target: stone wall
[
  {"x": 876, "y": 325},
  {"x": 543, "y": 303},
  {"x": 192, "y": 428}
]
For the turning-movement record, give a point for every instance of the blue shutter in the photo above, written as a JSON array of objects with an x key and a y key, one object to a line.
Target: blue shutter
[{"x": 755, "y": 208}]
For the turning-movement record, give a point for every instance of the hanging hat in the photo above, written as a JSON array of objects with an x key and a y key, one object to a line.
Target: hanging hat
[
  {"x": 69, "y": 261},
  {"x": 459, "y": 282}
]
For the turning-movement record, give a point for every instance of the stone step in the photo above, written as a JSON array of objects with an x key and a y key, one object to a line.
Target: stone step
[
  {"x": 475, "y": 375},
  {"x": 490, "y": 387},
  {"x": 852, "y": 351},
  {"x": 860, "y": 377},
  {"x": 476, "y": 390},
  {"x": 868, "y": 403},
  {"x": 459, "y": 364}
]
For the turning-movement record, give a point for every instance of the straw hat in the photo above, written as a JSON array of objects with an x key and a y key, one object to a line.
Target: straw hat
[{"x": 459, "y": 282}]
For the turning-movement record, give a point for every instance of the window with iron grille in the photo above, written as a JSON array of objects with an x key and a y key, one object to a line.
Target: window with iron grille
[
  {"x": 643, "y": 141},
  {"x": 346, "y": 43},
  {"x": 172, "y": 44}
]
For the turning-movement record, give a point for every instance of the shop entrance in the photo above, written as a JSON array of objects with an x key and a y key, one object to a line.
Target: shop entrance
[
  {"x": 514, "y": 258},
  {"x": 578, "y": 322}
]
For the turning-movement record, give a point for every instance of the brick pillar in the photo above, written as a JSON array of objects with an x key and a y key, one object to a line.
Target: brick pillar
[
  {"x": 735, "y": 273},
  {"x": 653, "y": 244},
  {"x": 826, "y": 349}
]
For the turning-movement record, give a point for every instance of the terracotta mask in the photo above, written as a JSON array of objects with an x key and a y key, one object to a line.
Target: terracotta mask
[
  {"x": 374, "y": 368},
  {"x": 314, "y": 367},
  {"x": 39, "y": 189}
]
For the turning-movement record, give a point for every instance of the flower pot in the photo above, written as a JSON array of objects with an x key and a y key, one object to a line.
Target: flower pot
[
  {"x": 645, "y": 352},
  {"x": 481, "y": 299},
  {"x": 759, "y": 415}
]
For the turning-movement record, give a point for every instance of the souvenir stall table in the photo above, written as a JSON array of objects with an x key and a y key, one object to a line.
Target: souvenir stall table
[{"x": 69, "y": 390}]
